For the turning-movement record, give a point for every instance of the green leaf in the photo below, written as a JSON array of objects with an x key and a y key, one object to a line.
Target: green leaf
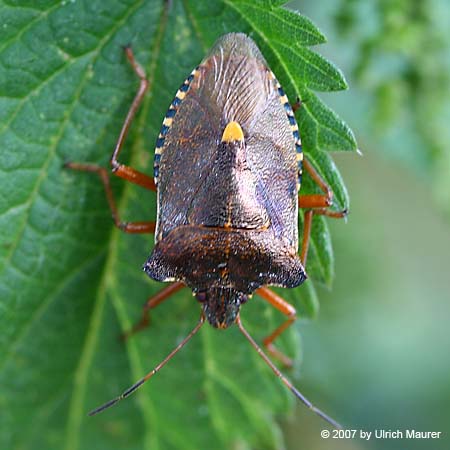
[
  {"x": 281, "y": 24},
  {"x": 321, "y": 128},
  {"x": 70, "y": 282}
]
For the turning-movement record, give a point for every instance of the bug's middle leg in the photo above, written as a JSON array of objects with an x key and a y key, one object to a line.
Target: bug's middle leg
[
  {"x": 318, "y": 204},
  {"x": 128, "y": 227},
  {"x": 288, "y": 310}
]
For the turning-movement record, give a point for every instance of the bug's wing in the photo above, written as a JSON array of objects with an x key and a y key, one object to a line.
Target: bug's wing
[
  {"x": 271, "y": 155},
  {"x": 233, "y": 83},
  {"x": 187, "y": 157},
  {"x": 228, "y": 85}
]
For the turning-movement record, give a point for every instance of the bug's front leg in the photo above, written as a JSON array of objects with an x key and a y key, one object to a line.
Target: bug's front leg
[{"x": 152, "y": 303}]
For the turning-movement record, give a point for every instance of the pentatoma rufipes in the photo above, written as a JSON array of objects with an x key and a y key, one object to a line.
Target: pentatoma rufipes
[{"x": 227, "y": 171}]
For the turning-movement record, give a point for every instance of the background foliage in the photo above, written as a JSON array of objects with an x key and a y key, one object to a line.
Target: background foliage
[
  {"x": 70, "y": 282},
  {"x": 401, "y": 61}
]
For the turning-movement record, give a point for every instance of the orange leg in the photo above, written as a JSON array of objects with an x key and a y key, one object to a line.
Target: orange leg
[
  {"x": 151, "y": 303},
  {"x": 297, "y": 105},
  {"x": 307, "y": 223},
  {"x": 316, "y": 204},
  {"x": 120, "y": 170},
  {"x": 128, "y": 227},
  {"x": 288, "y": 310}
]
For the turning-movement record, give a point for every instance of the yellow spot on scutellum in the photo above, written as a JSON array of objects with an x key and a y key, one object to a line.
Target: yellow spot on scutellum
[{"x": 232, "y": 133}]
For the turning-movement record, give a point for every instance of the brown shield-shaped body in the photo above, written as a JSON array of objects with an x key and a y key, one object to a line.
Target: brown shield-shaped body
[{"x": 227, "y": 171}]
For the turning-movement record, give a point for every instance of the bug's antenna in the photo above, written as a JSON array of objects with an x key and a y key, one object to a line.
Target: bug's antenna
[
  {"x": 137, "y": 385},
  {"x": 297, "y": 393}
]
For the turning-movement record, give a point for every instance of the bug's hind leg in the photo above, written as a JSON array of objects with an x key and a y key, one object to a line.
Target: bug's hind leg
[
  {"x": 318, "y": 204},
  {"x": 120, "y": 170},
  {"x": 151, "y": 303},
  {"x": 288, "y": 310}
]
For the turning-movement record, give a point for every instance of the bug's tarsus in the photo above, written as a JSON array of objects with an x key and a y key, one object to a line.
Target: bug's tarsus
[
  {"x": 320, "y": 203},
  {"x": 297, "y": 105},
  {"x": 285, "y": 381},
  {"x": 140, "y": 72},
  {"x": 139, "y": 383}
]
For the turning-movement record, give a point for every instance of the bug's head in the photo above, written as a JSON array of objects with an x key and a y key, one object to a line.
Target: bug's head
[{"x": 221, "y": 305}]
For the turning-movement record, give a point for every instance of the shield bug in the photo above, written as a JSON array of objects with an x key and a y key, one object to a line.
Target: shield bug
[{"x": 227, "y": 171}]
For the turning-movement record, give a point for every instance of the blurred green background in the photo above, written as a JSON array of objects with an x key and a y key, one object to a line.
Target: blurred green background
[{"x": 377, "y": 357}]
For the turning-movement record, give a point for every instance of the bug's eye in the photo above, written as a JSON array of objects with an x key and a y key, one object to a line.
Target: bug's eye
[{"x": 201, "y": 296}]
